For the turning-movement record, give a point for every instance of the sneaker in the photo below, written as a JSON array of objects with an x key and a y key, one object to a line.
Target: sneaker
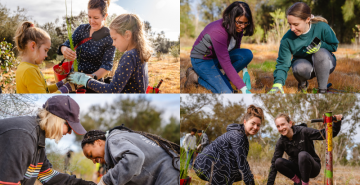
[
  {"x": 303, "y": 88},
  {"x": 322, "y": 91},
  {"x": 191, "y": 77}
]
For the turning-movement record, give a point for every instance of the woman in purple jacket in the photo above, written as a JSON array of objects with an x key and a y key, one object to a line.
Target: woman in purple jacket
[{"x": 218, "y": 47}]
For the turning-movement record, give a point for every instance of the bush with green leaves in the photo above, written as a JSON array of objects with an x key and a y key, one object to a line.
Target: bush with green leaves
[
  {"x": 7, "y": 63},
  {"x": 175, "y": 51}
]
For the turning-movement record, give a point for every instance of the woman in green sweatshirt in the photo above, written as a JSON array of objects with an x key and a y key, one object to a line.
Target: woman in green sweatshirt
[{"x": 309, "y": 60}]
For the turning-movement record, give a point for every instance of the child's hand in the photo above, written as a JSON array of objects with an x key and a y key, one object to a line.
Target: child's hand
[
  {"x": 68, "y": 53},
  {"x": 67, "y": 88}
]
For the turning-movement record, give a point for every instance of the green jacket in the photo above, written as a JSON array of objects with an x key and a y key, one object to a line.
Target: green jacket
[{"x": 296, "y": 46}]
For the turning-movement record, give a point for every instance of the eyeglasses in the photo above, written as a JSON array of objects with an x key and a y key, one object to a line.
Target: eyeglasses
[
  {"x": 69, "y": 128},
  {"x": 239, "y": 23}
]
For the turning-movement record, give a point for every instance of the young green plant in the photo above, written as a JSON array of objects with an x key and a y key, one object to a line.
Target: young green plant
[
  {"x": 185, "y": 160},
  {"x": 68, "y": 27}
]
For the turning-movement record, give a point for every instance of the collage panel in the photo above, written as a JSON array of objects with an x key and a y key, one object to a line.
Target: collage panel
[
  {"x": 269, "y": 47},
  {"x": 269, "y": 139},
  {"x": 89, "y": 139},
  {"x": 89, "y": 46}
]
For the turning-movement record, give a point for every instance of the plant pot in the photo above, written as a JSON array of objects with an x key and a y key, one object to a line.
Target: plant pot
[
  {"x": 66, "y": 67},
  {"x": 152, "y": 90},
  {"x": 185, "y": 181},
  {"x": 81, "y": 91}
]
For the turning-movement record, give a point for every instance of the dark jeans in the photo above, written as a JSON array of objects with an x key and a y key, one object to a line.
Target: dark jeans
[
  {"x": 210, "y": 75},
  {"x": 322, "y": 65},
  {"x": 306, "y": 167}
]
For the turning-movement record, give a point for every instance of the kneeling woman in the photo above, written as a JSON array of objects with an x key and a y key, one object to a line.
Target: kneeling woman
[
  {"x": 218, "y": 47},
  {"x": 133, "y": 157},
  {"x": 309, "y": 60},
  {"x": 22, "y": 140},
  {"x": 228, "y": 152},
  {"x": 297, "y": 142}
]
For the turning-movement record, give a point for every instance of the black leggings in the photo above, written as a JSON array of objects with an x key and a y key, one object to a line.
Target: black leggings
[
  {"x": 322, "y": 65},
  {"x": 308, "y": 167}
]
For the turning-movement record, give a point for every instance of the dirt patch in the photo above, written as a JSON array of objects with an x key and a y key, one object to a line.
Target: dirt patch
[
  {"x": 342, "y": 175},
  {"x": 346, "y": 76}
]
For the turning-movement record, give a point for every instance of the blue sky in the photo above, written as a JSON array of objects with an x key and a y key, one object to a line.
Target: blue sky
[
  {"x": 169, "y": 103},
  {"x": 163, "y": 15}
]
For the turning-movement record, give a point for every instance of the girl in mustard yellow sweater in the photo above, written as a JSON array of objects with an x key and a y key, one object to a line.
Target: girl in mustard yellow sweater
[{"x": 33, "y": 44}]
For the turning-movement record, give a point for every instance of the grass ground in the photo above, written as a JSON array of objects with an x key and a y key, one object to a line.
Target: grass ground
[
  {"x": 344, "y": 175},
  {"x": 345, "y": 77},
  {"x": 167, "y": 69}
]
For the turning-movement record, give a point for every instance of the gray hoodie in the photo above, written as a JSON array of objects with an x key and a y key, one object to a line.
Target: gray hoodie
[{"x": 135, "y": 159}]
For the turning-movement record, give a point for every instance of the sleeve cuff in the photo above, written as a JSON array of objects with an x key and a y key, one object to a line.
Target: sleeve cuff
[{"x": 59, "y": 49}]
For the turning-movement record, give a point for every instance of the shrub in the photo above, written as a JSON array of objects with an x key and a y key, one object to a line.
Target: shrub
[{"x": 7, "y": 63}]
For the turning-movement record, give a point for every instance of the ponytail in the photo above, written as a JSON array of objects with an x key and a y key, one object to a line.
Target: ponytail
[
  {"x": 253, "y": 111},
  {"x": 317, "y": 19},
  {"x": 26, "y": 32}
]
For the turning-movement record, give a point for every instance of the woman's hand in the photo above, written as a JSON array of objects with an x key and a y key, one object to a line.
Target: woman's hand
[
  {"x": 68, "y": 53},
  {"x": 277, "y": 87},
  {"x": 338, "y": 117}
]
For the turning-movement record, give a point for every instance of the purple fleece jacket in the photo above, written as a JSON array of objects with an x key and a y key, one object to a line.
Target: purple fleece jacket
[{"x": 213, "y": 42}]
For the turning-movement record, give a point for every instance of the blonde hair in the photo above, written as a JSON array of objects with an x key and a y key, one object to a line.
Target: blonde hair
[
  {"x": 283, "y": 115},
  {"x": 253, "y": 111},
  {"x": 131, "y": 22},
  {"x": 52, "y": 125},
  {"x": 303, "y": 11},
  {"x": 26, "y": 32}
]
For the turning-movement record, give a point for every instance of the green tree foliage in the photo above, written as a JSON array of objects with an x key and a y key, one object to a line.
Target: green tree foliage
[
  {"x": 342, "y": 15},
  {"x": 187, "y": 27},
  {"x": 206, "y": 112},
  {"x": 172, "y": 130},
  {"x": 7, "y": 64},
  {"x": 135, "y": 113},
  {"x": 10, "y": 21},
  {"x": 209, "y": 113}
]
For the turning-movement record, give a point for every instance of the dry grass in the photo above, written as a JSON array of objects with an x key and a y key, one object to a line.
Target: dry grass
[
  {"x": 167, "y": 69},
  {"x": 345, "y": 77},
  {"x": 342, "y": 175}
]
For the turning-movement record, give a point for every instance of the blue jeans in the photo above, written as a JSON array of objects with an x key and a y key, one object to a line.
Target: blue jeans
[
  {"x": 191, "y": 158},
  {"x": 209, "y": 72}
]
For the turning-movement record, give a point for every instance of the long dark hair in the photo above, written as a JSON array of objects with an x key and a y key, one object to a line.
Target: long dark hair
[
  {"x": 234, "y": 10},
  {"x": 93, "y": 135}
]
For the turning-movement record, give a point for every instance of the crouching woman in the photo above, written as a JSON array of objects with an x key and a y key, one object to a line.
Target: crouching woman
[
  {"x": 133, "y": 157},
  {"x": 22, "y": 140},
  {"x": 228, "y": 152}
]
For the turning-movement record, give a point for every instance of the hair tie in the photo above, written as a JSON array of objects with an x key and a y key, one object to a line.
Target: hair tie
[
  {"x": 32, "y": 25},
  {"x": 312, "y": 16}
]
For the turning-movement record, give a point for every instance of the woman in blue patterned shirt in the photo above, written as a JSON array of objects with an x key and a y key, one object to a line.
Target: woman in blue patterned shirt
[
  {"x": 95, "y": 57},
  {"x": 131, "y": 76},
  {"x": 228, "y": 152}
]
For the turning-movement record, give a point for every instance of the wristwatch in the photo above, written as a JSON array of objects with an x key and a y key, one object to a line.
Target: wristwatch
[{"x": 94, "y": 76}]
